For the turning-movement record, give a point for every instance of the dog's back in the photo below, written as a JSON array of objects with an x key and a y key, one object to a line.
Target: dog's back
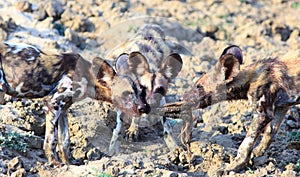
[
  {"x": 28, "y": 72},
  {"x": 150, "y": 42}
]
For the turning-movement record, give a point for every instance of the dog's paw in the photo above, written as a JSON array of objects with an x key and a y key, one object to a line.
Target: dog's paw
[
  {"x": 131, "y": 134},
  {"x": 237, "y": 165}
]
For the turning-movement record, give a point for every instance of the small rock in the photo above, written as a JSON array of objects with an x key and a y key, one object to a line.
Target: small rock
[
  {"x": 260, "y": 160},
  {"x": 91, "y": 44},
  {"x": 41, "y": 14},
  {"x": 72, "y": 36},
  {"x": 23, "y": 6},
  {"x": 19, "y": 173},
  {"x": 270, "y": 167},
  {"x": 290, "y": 166},
  {"x": 125, "y": 163},
  {"x": 67, "y": 15},
  {"x": 35, "y": 142},
  {"x": 210, "y": 30},
  {"x": 288, "y": 173},
  {"x": 79, "y": 24},
  {"x": 223, "y": 140},
  {"x": 141, "y": 164},
  {"x": 14, "y": 165},
  {"x": 94, "y": 154},
  {"x": 8, "y": 25},
  {"x": 78, "y": 153},
  {"x": 183, "y": 157},
  {"x": 3, "y": 165},
  {"x": 294, "y": 145},
  {"x": 231, "y": 173},
  {"x": 174, "y": 174},
  {"x": 223, "y": 129},
  {"x": 113, "y": 170},
  {"x": 284, "y": 32},
  {"x": 292, "y": 124},
  {"x": 46, "y": 23},
  {"x": 3, "y": 35},
  {"x": 53, "y": 8},
  {"x": 60, "y": 28},
  {"x": 101, "y": 25},
  {"x": 294, "y": 40},
  {"x": 147, "y": 172}
]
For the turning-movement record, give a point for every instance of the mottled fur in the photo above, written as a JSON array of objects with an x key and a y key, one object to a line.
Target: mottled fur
[
  {"x": 62, "y": 79},
  {"x": 149, "y": 63},
  {"x": 271, "y": 85}
]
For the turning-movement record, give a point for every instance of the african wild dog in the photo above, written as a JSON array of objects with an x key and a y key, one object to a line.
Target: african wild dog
[
  {"x": 27, "y": 72},
  {"x": 272, "y": 85},
  {"x": 148, "y": 61}
]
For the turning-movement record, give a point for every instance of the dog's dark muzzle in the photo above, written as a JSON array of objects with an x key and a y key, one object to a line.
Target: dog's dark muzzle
[{"x": 144, "y": 108}]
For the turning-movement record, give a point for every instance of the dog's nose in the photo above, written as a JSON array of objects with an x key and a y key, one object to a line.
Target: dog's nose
[{"x": 144, "y": 108}]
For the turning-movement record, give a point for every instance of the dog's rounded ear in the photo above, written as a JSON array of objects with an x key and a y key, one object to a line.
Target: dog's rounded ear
[
  {"x": 121, "y": 64},
  {"x": 103, "y": 71},
  {"x": 171, "y": 66},
  {"x": 235, "y": 51},
  {"x": 138, "y": 63},
  {"x": 229, "y": 62}
]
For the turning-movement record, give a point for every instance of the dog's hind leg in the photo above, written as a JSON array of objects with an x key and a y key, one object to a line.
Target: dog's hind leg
[
  {"x": 51, "y": 135},
  {"x": 261, "y": 118},
  {"x": 280, "y": 110}
]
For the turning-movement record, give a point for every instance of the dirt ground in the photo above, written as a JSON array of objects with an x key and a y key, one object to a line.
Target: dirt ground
[{"x": 202, "y": 29}]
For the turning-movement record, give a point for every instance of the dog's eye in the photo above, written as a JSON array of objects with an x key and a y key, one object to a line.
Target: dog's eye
[
  {"x": 126, "y": 93},
  {"x": 160, "y": 90},
  {"x": 199, "y": 87},
  {"x": 143, "y": 91}
]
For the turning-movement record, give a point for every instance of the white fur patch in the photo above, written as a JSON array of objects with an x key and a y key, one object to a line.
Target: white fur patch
[
  {"x": 119, "y": 124},
  {"x": 40, "y": 93},
  {"x": 31, "y": 59},
  {"x": 107, "y": 78},
  {"x": 2, "y": 81},
  {"x": 83, "y": 83},
  {"x": 65, "y": 82},
  {"x": 247, "y": 141},
  {"x": 20, "y": 46}
]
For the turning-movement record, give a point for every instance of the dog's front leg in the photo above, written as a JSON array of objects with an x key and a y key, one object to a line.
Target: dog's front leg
[
  {"x": 168, "y": 133},
  {"x": 63, "y": 137},
  {"x": 57, "y": 121},
  {"x": 114, "y": 142},
  {"x": 261, "y": 119},
  {"x": 51, "y": 134},
  {"x": 57, "y": 129},
  {"x": 2, "y": 87},
  {"x": 2, "y": 97}
]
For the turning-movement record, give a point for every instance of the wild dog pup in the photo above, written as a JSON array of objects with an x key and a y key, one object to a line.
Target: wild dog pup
[
  {"x": 149, "y": 63},
  {"x": 271, "y": 85},
  {"x": 27, "y": 72}
]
